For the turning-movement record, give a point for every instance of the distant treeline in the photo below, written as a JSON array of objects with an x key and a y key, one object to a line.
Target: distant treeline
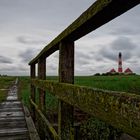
[
  {"x": 3, "y": 75},
  {"x": 112, "y": 74}
]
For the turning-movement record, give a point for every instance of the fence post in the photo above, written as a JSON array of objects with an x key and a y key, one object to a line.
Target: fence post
[
  {"x": 32, "y": 74},
  {"x": 66, "y": 75},
  {"x": 42, "y": 105},
  {"x": 42, "y": 76}
]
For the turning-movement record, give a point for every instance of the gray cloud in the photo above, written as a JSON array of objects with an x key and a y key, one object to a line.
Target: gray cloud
[
  {"x": 107, "y": 53},
  {"x": 28, "y": 54},
  {"x": 51, "y": 68},
  {"x": 123, "y": 43},
  {"x": 83, "y": 58},
  {"x": 55, "y": 55},
  {"x": 29, "y": 40},
  {"x": 18, "y": 69},
  {"x": 35, "y": 23},
  {"x": 113, "y": 55},
  {"x": 125, "y": 31},
  {"x": 6, "y": 60}
]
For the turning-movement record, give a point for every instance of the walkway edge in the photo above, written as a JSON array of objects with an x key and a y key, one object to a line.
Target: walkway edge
[{"x": 30, "y": 124}]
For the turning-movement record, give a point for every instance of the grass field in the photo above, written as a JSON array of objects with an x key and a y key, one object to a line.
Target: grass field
[
  {"x": 115, "y": 83},
  {"x": 91, "y": 128},
  {"x": 24, "y": 89},
  {"x": 129, "y": 84},
  {"x": 5, "y": 83}
]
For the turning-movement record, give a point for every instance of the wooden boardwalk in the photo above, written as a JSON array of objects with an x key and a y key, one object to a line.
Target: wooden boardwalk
[{"x": 12, "y": 119}]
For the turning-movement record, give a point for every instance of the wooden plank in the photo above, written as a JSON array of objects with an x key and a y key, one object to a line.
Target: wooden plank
[
  {"x": 10, "y": 109},
  {"x": 66, "y": 75},
  {"x": 20, "y": 137},
  {"x": 12, "y": 121},
  {"x": 42, "y": 75},
  {"x": 33, "y": 90},
  {"x": 11, "y": 103},
  {"x": 30, "y": 124},
  {"x": 12, "y": 114},
  {"x": 13, "y": 124},
  {"x": 101, "y": 12},
  {"x": 13, "y": 132},
  {"x": 46, "y": 122}
]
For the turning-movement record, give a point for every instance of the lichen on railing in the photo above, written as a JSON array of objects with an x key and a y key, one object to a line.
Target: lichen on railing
[{"x": 120, "y": 109}]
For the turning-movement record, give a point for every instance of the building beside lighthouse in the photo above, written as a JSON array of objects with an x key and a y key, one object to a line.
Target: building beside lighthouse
[{"x": 127, "y": 71}]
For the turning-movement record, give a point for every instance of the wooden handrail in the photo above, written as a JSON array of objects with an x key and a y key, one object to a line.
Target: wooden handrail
[
  {"x": 47, "y": 123},
  {"x": 121, "y": 110},
  {"x": 101, "y": 12}
]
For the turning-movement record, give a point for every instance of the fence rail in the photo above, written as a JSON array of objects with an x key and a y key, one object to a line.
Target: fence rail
[
  {"x": 47, "y": 123},
  {"x": 101, "y": 12},
  {"x": 121, "y": 110}
]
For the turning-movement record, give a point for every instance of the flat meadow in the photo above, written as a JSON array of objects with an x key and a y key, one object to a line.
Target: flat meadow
[
  {"x": 5, "y": 83},
  {"x": 91, "y": 128},
  {"x": 124, "y": 83}
]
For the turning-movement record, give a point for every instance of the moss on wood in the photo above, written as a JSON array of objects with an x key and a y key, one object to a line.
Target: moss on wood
[
  {"x": 101, "y": 12},
  {"x": 43, "y": 122},
  {"x": 120, "y": 109}
]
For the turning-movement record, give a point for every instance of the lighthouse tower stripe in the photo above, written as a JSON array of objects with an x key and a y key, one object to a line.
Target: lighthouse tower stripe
[{"x": 120, "y": 63}]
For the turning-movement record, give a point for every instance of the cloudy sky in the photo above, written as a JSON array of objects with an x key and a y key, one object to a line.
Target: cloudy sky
[{"x": 27, "y": 26}]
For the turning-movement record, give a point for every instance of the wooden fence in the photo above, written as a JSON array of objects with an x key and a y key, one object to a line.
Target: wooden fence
[{"x": 121, "y": 110}]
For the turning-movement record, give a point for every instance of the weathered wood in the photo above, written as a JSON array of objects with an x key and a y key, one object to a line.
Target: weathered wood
[
  {"x": 13, "y": 132},
  {"x": 46, "y": 122},
  {"x": 11, "y": 114},
  {"x": 66, "y": 62},
  {"x": 12, "y": 120},
  {"x": 101, "y": 12},
  {"x": 66, "y": 75},
  {"x": 10, "y": 109},
  {"x": 10, "y": 105},
  {"x": 33, "y": 89},
  {"x": 17, "y": 137},
  {"x": 33, "y": 71},
  {"x": 13, "y": 124},
  {"x": 42, "y": 75},
  {"x": 31, "y": 127},
  {"x": 42, "y": 106},
  {"x": 119, "y": 109}
]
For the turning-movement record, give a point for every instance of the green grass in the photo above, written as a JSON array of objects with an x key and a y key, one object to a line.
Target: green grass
[
  {"x": 24, "y": 89},
  {"x": 92, "y": 128},
  {"x": 3, "y": 95},
  {"x": 24, "y": 93},
  {"x": 115, "y": 83},
  {"x": 5, "y": 83}
]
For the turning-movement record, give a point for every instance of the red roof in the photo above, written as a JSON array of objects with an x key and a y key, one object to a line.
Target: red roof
[
  {"x": 128, "y": 70},
  {"x": 112, "y": 70}
]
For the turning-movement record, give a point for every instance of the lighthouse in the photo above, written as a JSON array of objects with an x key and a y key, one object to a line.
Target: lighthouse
[
  {"x": 120, "y": 70},
  {"x": 128, "y": 71}
]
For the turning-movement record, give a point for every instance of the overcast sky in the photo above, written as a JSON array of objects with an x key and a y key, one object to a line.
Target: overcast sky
[{"x": 27, "y": 26}]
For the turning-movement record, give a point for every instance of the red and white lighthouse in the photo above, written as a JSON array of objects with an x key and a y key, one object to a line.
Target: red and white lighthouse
[{"x": 120, "y": 70}]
